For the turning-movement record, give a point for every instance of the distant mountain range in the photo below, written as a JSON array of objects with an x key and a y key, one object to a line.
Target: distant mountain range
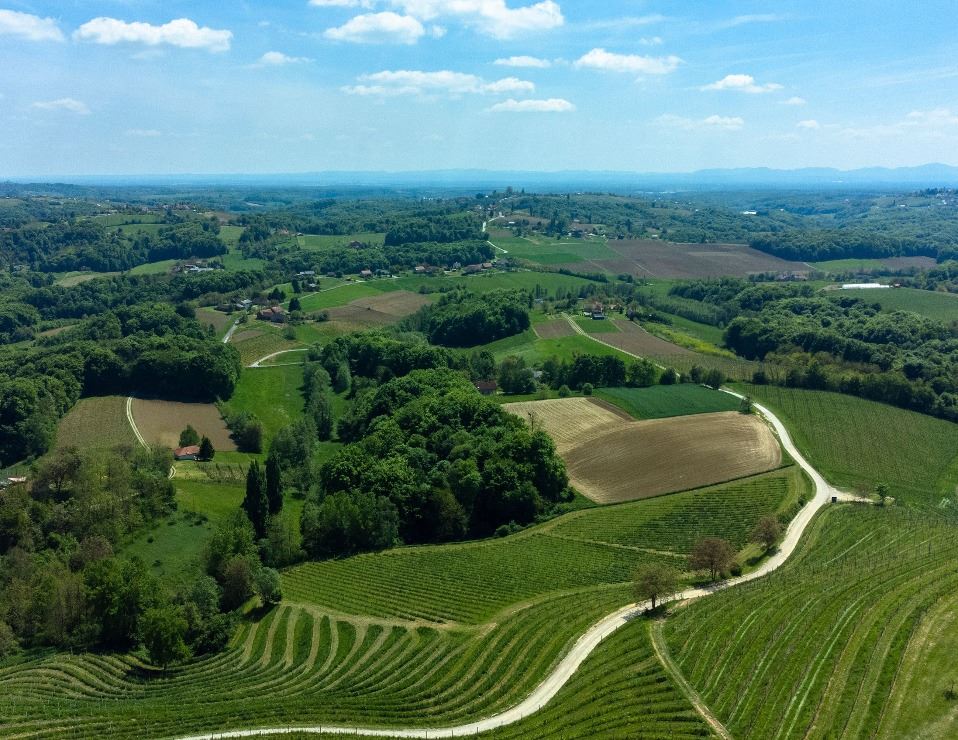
[{"x": 928, "y": 175}]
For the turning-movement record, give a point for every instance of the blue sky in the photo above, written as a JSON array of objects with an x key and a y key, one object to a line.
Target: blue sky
[{"x": 153, "y": 87}]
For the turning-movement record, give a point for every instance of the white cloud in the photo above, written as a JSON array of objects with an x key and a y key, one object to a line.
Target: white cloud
[
  {"x": 601, "y": 59},
  {"x": 339, "y": 3},
  {"x": 723, "y": 123},
  {"x": 378, "y": 28},
  {"x": 144, "y": 133},
  {"x": 444, "y": 82},
  {"x": 70, "y": 105},
  {"x": 523, "y": 61},
  {"x": 742, "y": 20},
  {"x": 29, "y": 27},
  {"x": 279, "y": 59},
  {"x": 652, "y": 41},
  {"x": 492, "y": 17},
  {"x": 743, "y": 83},
  {"x": 935, "y": 118},
  {"x": 551, "y": 105},
  {"x": 811, "y": 123},
  {"x": 795, "y": 100},
  {"x": 181, "y": 32},
  {"x": 622, "y": 22}
]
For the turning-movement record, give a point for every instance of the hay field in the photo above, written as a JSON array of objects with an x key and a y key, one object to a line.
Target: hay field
[
  {"x": 160, "y": 422},
  {"x": 553, "y": 329},
  {"x": 96, "y": 423},
  {"x": 380, "y": 310},
  {"x": 611, "y": 458}
]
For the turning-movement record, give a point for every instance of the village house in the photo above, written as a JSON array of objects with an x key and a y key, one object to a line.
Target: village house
[
  {"x": 276, "y": 314},
  {"x": 366, "y": 273},
  {"x": 486, "y": 387},
  {"x": 190, "y": 452}
]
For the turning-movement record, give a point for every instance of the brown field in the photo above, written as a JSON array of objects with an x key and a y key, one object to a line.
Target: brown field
[
  {"x": 97, "y": 423},
  {"x": 612, "y": 459},
  {"x": 160, "y": 422},
  {"x": 633, "y": 338},
  {"x": 902, "y": 263},
  {"x": 245, "y": 334},
  {"x": 379, "y": 310},
  {"x": 554, "y": 329},
  {"x": 662, "y": 259}
]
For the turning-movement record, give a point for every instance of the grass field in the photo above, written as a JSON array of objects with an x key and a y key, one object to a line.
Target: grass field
[
  {"x": 380, "y": 310},
  {"x": 344, "y": 293},
  {"x": 96, "y": 423},
  {"x": 939, "y": 306},
  {"x": 857, "y": 443},
  {"x": 273, "y": 394},
  {"x": 814, "y": 650},
  {"x": 594, "y": 326},
  {"x": 154, "y": 268},
  {"x": 564, "y": 347},
  {"x": 661, "y": 401},
  {"x": 546, "y": 251},
  {"x": 611, "y": 459},
  {"x": 327, "y": 241},
  {"x": 257, "y": 339},
  {"x": 160, "y": 422},
  {"x": 71, "y": 279},
  {"x": 217, "y": 319}
]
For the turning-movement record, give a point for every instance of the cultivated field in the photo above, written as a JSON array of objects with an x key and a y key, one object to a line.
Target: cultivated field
[
  {"x": 260, "y": 340},
  {"x": 274, "y": 394},
  {"x": 611, "y": 459},
  {"x": 663, "y": 401},
  {"x": 380, "y": 310},
  {"x": 633, "y": 338},
  {"x": 553, "y": 329},
  {"x": 815, "y": 649},
  {"x": 857, "y": 443},
  {"x": 934, "y": 305},
  {"x": 160, "y": 422},
  {"x": 217, "y": 319},
  {"x": 95, "y": 424}
]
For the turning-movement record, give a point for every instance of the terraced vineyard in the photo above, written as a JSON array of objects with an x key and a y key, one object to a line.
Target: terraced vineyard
[{"x": 814, "y": 649}]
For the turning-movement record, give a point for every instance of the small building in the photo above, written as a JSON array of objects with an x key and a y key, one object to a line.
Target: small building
[
  {"x": 863, "y": 286},
  {"x": 486, "y": 387},
  {"x": 419, "y": 269},
  {"x": 244, "y": 304},
  {"x": 190, "y": 452},
  {"x": 355, "y": 244},
  {"x": 276, "y": 314},
  {"x": 486, "y": 265},
  {"x": 306, "y": 273},
  {"x": 366, "y": 273},
  {"x": 471, "y": 269}
]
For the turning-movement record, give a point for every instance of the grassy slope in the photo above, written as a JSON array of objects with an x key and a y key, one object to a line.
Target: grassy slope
[
  {"x": 934, "y": 305},
  {"x": 661, "y": 401},
  {"x": 858, "y": 443},
  {"x": 272, "y": 393},
  {"x": 96, "y": 423}
]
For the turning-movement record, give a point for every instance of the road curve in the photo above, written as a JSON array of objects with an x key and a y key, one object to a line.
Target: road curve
[
  {"x": 591, "y": 639},
  {"x": 276, "y": 354},
  {"x": 133, "y": 426}
]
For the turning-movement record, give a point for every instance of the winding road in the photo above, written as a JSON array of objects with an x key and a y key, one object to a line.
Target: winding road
[
  {"x": 593, "y": 637},
  {"x": 261, "y": 360}
]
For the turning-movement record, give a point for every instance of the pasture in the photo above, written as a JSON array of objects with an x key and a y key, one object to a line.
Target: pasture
[
  {"x": 815, "y": 649},
  {"x": 257, "y": 339},
  {"x": 610, "y": 459},
  {"x": 96, "y": 423},
  {"x": 338, "y": 241},
  {"x": 551, "y": 251},
  {"x": 160, "y": 422},
  {"x": 856, "y": 443},
  {"x": 932, "y": 304},
  {"x": 271, "y": 393},
  {"x": 217, "y": 319},
  {"x": 662, "y": 401}
]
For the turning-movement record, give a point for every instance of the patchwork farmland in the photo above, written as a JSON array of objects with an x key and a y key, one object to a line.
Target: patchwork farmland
[{"x": 160, "y": 422}]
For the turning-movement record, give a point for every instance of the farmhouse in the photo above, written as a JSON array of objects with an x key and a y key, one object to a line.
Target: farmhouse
[
  {"x": 486, "y": 387},
  {"x": 366, "y": 273},
  {"x": 274, "y": 314},
  {"x": 190, "y": 452}
]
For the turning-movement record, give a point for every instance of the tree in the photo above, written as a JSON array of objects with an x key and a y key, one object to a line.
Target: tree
[
  {"x": 712, "y": 554},
  {"x": 669, "y": 376},
  {"x": 163, "y": 629},
  {"x": 206, "y": 449},
  {"x": 655, "y": 581},
  {"x": 321, "y": 410},
  {"x": 587, "y": 389},
  {"x": 767, "y": 531},
  {"x": 268, "y": 586},
  {"x": 745, "y": 407},
  {"x": 714, "y": 378},
  {"x": 189, "y": 437},
  {"x": 274, "y": 489},
  {"x": 237, "y": 580},
  {"x": 255, "y": 504},
  {"x": 295, "y": 305},
  {"x": 515, "y": 376}
]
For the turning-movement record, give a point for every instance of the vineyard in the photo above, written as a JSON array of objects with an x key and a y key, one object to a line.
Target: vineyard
[{"x": 814, "y": 649}]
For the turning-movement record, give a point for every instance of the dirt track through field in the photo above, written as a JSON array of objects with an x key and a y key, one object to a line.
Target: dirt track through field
[
  {"x": 554, "y": 329},
  {"x": 160, "y": 422}
]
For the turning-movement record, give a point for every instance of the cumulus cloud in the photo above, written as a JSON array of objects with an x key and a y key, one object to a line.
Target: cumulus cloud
[
  {"x": 70, "y": 105},
  {"x": 723, "y": 123},
  {"x": 794, "y": 100},
  {"x": 181, "y": 32},
  {"x": 743, "y": 83},
  {"x": 279, "y": 59},
  {"x": 550, "y": 105},
  {"x": 652, "y": 41},
  {"x": 492, "y": 17},
  {"x": 378, "y": 28},
  {"x": 607, "y": 61},
  {"x": 442, "y": 82},
  {"x": 29, "y": 27},
  {"x": 523, "y": 61},
  {"x": 811, "y": 123}
]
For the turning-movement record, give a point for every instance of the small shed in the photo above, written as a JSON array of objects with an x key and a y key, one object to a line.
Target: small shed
[{"x": 486, "y": 387}]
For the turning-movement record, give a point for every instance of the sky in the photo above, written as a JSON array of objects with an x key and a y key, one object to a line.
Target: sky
[{"x": 126, "y": 87}]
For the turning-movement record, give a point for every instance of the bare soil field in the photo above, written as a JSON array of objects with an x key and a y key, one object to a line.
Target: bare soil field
[
  {"x": 902, "y": 263},
  {"x": 97, "y": 423},
  {"x": 612, "y": 459},
  {"x": 245, "y": 334},
  {"x": 379, "y": 310},
  {"x": 662, "y": 259},
  {"x": 633, "y": 338},
  {"x": 160, "y": 422},
  {"x": 554, "y": 329}
]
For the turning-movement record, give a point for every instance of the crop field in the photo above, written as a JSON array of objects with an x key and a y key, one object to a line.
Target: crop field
[
  {"x": 160, "y": 422},
  {"x": 597, "y": 326},
  {"x": 96, "y": 423},
  {"x": 328, "y": 241},
  {"x": 864, "y": 265},
  {"x": 380, "y": 310},
  {"x": 494, "y": 280},
  {"x": 857, "y": 443},
  {"x": 553, "y": 329},
  {"x": 633, "y": 338},
  {"x": 217, "y": 319},
  {"x": 546, "y": 251},
  {"x": 662, "y": 259},
  {"x": 935, "y": 305},
  {"x": 260, "y": 340},
  {"x": 272, "y": 393},
  {"x": 610, "y": 459},
  {"x": 814, "y": 649},
  {"x": 662, "y": 401},
  {"x": 344, "y": 293}
]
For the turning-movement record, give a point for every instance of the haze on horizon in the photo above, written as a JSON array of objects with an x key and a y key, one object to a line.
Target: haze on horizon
[{"x": 150, "y": 87}]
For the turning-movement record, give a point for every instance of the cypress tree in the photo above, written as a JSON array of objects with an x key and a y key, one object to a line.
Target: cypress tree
[
  {"x": 274, "y": 492},
  {"x": 255, "y": 504}
]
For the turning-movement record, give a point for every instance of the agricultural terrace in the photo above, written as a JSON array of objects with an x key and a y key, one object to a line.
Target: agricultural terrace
[
  {"x": 610, "y": 458},
  {"x": 96, "y": 423},
  {"x": 856, "y": 443},
  {"x": 160, "y": 422},
  {"x": 663, "y": 401},
  {"x": 413, "y": 636},
  {"x": 935, "y": 305},
  {"x": 816, "y": 648}
]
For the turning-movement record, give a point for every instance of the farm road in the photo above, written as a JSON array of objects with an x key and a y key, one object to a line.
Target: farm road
[
  {"x": 229, "y": 334},
  {"x": 261, "y": 360},
  {"x": 136, "y": 429},
  {"x": 591, "y": 639},
  {"x": 579, "y": 330}
]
